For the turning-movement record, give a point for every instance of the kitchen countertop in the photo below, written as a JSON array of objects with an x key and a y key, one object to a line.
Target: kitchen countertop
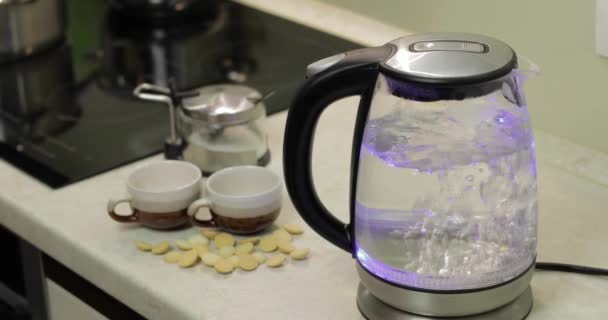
[{"x": 70, "y": 224}]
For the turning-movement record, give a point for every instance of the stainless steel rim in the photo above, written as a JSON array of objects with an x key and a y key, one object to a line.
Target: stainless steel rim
[
  {"x": 197, "y": 107},
  {"x": 445, "y": 304},
  {"x": 373, "y": 309}
]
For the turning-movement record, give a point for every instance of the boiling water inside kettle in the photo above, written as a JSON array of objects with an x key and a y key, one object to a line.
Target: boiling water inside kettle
[{"x": 447, "y": 195}]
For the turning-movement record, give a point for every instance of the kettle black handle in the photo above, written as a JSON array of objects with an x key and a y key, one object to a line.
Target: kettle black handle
[{"x": 349, "y": 74}]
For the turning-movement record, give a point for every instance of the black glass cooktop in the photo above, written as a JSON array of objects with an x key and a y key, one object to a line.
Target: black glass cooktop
[{"x": 68, "y": 113}]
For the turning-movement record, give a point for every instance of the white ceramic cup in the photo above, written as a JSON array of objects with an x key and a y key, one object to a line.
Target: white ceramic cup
[
  {"x": 241, "y": 199},
  {"x": 159, "y": 194}
]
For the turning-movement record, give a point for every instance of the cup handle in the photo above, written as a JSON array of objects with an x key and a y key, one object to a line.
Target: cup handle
[
  {"x": 193, "y": 209},
  {"x": 112, "y": 203}
]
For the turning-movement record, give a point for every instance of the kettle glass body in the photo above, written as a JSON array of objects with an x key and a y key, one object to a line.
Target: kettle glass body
[{"x": 443, "y": 170}]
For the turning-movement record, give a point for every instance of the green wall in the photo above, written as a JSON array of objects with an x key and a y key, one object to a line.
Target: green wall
[{"x": 570, "y": 98}]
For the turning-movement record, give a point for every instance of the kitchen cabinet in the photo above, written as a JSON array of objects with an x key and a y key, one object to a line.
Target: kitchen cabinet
[
  {"x": 34, "y": 286},
  {"x": 62, "y": 305}
]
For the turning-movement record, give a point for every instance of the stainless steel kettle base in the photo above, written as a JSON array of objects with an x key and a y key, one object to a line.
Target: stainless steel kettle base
[{"x": 374, "y": 309}]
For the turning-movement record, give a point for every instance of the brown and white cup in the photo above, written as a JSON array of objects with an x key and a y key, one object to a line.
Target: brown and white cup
[
  {"x": 159, "y": 194},
  {"x": 241, "y": 200}
]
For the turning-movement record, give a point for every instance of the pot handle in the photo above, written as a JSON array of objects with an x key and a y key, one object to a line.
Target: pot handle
[
  {"x": 348, "y": 74},
  {"x": 151, "y": 92}
]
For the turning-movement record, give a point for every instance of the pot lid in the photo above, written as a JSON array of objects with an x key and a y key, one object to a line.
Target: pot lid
[
  {"x": 449, "y": 58},
  {"x": 223, "y": 104}
]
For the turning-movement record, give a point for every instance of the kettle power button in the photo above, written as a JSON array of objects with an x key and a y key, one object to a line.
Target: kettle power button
[{"x": 464, "y": 46}]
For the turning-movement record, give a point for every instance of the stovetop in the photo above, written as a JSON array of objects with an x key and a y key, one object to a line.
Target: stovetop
[{"x": 68, "y": 114}]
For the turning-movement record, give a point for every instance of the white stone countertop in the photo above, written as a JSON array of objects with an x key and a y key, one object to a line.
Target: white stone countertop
[{"x": 71, "y": 225}]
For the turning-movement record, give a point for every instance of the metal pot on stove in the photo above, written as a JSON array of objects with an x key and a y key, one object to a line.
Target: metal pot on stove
[
  {"x": 37, "y": 98},
  {"x": 207, "y": 47},
  {"x": 30, "y": 26},
  {"x": 213, "y": 127}
]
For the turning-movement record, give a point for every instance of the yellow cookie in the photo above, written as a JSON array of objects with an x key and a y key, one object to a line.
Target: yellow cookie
[
  {"x": 224, "y": 240},
  {"x": 183, "y": 244},
  {"x": 210, "y": 234},
  {"x": 209, "y": 259},
  {"x": 281, "y": 235},
  {"x": 244, "y": 248},
  {"x": 248, "y": 262},
  {"x": 198, "y": 239},
  {"x": 260, "y": 257},
  {"x": 143, "y": 246},
  {"x": 161, "y": 248},
  {"x": 286, "y": 246},
  {"x": 172, "y": 256},
  {"x": 293, "y": 229},
  {"x": 226, "y": 252},
  {"x": 223, "y": 266},
  {"x": 188, "y": 259},
  {"x": 252, "y": 240},
  {"x": 268, "y": 244},
  {"x": 276, "y": 260},
  {"x": 300, "y": 254},
  {"x": 200, "y": 249},
  {"x": 234, "y": 260}
]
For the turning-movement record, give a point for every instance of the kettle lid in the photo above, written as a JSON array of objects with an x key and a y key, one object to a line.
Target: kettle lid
[
  {"x": 449, "y": 58},
  {"x": 224, "y": 104}
]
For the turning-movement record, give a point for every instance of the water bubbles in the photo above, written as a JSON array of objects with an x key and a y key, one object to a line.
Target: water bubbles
[
  {"x": 384, "y": 143},
  {"x": 396, "y": 234},
  {"x": 432, "y": 140},
  {"x": 451, "y": 197},
  {"x": 448, "y": 236}
]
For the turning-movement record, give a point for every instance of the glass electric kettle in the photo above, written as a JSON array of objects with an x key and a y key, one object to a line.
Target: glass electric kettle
[{"x": 443, "y": 178}]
